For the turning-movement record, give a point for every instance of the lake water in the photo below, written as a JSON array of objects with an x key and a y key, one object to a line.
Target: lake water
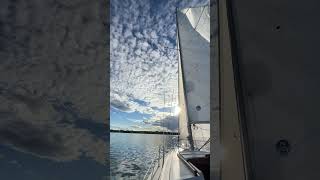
[{"x": 131, "y": 154}]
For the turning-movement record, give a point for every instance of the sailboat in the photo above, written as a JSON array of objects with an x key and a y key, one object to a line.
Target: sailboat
[
  {"x": 191, "y": 158},
  {"x": 264, "y": 94}
]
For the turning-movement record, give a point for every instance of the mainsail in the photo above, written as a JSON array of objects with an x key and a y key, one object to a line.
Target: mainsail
[
  {"x": 199, "y": 18},
  {"x": 194, "y": 74}
]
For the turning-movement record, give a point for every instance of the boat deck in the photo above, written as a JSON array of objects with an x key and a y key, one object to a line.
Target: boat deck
[{"x": 174, "y": 168}]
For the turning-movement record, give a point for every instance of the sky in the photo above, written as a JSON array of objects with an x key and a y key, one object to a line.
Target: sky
[
  {"x": 52, "y": 85},
  {"x": 52, "y": 90},
  {"x": 144, "y": 64}
]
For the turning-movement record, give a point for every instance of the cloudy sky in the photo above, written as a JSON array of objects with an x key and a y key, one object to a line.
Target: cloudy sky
[
  {"x": 53, "y": 90},
  {"x": 144, "y": 63}
]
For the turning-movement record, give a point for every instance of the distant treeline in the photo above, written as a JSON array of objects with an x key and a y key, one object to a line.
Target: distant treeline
[{"x": 144, "y": 132}]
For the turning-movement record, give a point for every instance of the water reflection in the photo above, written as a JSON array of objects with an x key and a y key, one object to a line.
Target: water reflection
[{"x": 131, "y": 154}]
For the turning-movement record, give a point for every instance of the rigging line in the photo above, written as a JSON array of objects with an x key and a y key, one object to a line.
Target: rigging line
[
  {"x": 164, "y": 99},
  {"x": 205, "y": 144},
  {"x": 195, "y": 27},
  {"x": 168, "y": 124},
  {"x": 189, "y": 41},
  {"x": 164, "y": 105},
  {"x": 187, "y": 11}
]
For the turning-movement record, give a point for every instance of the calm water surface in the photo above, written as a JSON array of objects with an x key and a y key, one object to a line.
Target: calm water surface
[{"x": 131, "y": 154}]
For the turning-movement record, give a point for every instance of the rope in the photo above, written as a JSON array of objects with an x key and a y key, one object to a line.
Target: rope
[
  {"x": 205, "y": 144},
  {"x": 199, "y": 19}
]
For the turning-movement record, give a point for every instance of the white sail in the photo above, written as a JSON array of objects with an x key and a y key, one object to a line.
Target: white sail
[
  {"x": 194, "y": 45},
  {"x": 183, "y": 115},
  {"x": 199, "y": 18}
]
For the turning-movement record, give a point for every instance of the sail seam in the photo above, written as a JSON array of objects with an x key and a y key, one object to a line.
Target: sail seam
[{"x": 195, "y": 27}]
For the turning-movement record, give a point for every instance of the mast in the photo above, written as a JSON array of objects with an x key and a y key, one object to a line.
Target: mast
[
  {"x": 183, "y": 81},
  {"x": 229, "y": 134}
]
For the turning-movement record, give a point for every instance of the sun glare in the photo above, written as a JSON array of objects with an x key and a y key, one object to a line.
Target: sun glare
[{"x": 177, "y": 110}]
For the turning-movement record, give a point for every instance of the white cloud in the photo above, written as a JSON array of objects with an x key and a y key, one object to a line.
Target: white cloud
[
  {"x": 51, "y": 78},
  {"x": 137, "y": 65},
  {"x": 144, "y": 63}
]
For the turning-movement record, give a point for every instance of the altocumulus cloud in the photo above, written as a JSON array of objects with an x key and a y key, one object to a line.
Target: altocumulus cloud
[
  {"x": 144, "y": 61},
  {"x": 53, "y": 54},
  {"x": 143, "y": 56}
]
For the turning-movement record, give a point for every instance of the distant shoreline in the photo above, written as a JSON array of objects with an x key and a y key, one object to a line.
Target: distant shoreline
[{"x": 144, "y": 132}]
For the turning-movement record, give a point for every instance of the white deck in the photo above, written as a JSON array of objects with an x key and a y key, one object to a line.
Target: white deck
[{"x": 173, "y": 169}]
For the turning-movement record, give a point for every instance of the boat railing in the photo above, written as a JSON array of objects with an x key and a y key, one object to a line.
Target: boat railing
[
  {"x": 152, "y": 165},
  {"x": 193, "y": 168},
  {"x": 156, "y": 162},
  {"x": 207, "y": 142},
  {"x": 202, "y": 145}
]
